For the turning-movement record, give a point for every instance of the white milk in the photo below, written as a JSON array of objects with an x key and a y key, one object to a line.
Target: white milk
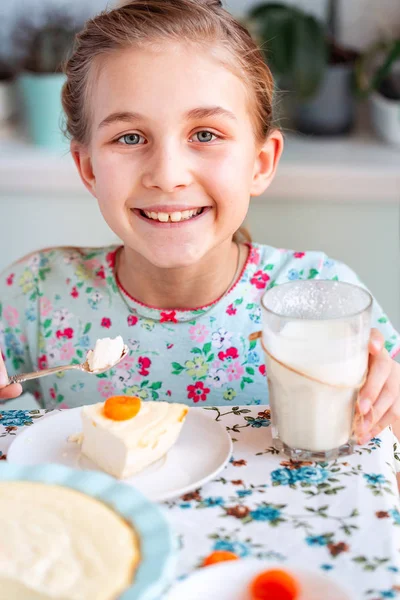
[{"x": 310, "y": 415}]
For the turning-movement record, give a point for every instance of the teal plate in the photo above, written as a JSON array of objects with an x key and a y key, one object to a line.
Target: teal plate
[{"x": 157, "y": 543}]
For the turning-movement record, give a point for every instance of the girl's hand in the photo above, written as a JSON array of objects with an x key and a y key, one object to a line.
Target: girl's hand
[
  {"x": 379, "y": 398},
  {"x": 7, "y": 391}
]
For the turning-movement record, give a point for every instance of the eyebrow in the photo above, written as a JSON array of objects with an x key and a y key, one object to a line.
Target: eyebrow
[{"x": 195, "y": 113}]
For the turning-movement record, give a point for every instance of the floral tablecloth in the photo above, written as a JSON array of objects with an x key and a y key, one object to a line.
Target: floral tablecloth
[{"x": 342, "y": 517}]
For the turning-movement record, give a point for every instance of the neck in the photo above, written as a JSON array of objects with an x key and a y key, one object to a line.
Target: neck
[{"x": 181, "y": 288}]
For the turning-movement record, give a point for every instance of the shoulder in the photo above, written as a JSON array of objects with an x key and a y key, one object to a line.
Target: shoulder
[
  {"x": 54, "y": 265},
  {"x": 281, "y": 261}
]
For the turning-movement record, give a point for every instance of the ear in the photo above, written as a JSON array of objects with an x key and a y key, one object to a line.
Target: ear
[
  {"x": 266, "y": 162},
  {"x": 83, "y": 163}
]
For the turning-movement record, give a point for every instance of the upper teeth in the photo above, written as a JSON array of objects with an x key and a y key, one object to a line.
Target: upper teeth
[{"x": 175, "y": 217}]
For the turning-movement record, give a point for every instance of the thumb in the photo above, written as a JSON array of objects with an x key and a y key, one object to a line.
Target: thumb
[
  {"x": 3, "y": 373},
  {"x": 376, "y": 342}
]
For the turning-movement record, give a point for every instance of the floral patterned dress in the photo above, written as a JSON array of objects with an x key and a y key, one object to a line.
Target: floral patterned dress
[{"x": 56, "y": 303}]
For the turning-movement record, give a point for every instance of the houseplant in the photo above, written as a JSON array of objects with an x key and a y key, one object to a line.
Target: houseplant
[
  {"x": 378, "y": 76},
  {"x": 306, "y": 59},
  {"x": 40, "y": 79}
]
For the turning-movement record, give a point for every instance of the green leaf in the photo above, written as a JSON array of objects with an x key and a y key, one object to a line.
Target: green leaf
[
  {"x": 154, "y": 395},
  {"x": 88, "y": 290},
  {"x": 156, "y": 385},
  {"x": 48, "y": 334},
  {"x": 144, "y": 383},
  {"x": 79, "y": 353},
  {"x": 210, "y": 358},
  {"x": 195, "y": 351},
  {"x": 207, "y": 348},
  {"x": 247, "y": 380},
  {"x": 250, "y": 306},
  {"x": 87, "y": 328},
  {"x": 47, "y": 323},
  {"x": 102, "y": 376},
  {"x": 312, "y": 274},
  {"x": 238, "y": 301},
  {"x": 178, "y": 367},
  {"x": 253, "y": 344},
  {"x": 250, "y": 370}
]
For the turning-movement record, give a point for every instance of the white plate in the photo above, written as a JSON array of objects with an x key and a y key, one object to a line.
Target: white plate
[
  {"x": 231, "y": 580},
  {"x": 203, "y": 449}
]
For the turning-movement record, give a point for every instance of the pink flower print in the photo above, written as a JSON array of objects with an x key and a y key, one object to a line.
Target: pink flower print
[
  {"x": 52, "y": 393},
  {"x": 92, "y": 264},
  {"x": 231, "y": 310},
  {"x": 197, "y": 391},
  {"x": 11, "y": 315},
  {"x": 262, "y": 370},
  {"x": 169, "y": 393},
  {"x": 67, "y": 351},
  {"x": 126, "y": 364},
  {"x": 105, "y": 388},
  {"x": 144, "y": 365},
  {"x": 23, "y": 339},
  {"x": 198, "y": 333},
  {"x": 132, "y": 320},
  {"x": 168, "y": 316},
  {"x": 45, "y": 306},
  {"x": 254, "y": 257},
  {"x": 10, "y": 279},
  {"x": 260, "y": 280},
  {"x": 63, "y": 405},
  {"x": 74, "y": 292},
  {"x": 299, "y": 254},
  {"x": 106, "y": 322},
  {"x": 42, "y": 362},
  {"x": 235, "y": 371}
]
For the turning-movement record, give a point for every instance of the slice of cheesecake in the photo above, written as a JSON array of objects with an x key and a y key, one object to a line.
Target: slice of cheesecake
[{"x": 124, "y": 437}]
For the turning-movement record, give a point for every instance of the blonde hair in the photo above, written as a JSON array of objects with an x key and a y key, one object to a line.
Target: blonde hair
[{"x": 141, "y": 22}]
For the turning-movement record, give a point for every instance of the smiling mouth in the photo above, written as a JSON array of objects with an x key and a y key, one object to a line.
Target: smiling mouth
[{"x": 172, "y": 217}]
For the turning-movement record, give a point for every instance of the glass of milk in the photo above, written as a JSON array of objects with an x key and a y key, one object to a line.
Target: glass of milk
[{"x": 315, "y": 339}]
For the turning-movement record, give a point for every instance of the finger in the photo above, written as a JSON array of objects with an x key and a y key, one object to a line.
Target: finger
[
  {"x": 387, "y": 419},
  {"x": 376, "y": 342},
  {"x": 10, "y": 391},
  {"x": 386, "y": 400},
  {"x": 379, "y": 370}
]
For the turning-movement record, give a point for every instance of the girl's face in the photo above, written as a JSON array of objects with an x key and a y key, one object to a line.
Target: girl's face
[{"x": 173, "y": 159}]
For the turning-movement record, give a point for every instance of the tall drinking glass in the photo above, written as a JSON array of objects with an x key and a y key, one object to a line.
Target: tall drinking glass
[{"x": 315, "y": 339}]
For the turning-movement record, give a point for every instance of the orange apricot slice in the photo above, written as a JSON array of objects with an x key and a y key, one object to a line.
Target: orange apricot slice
[
  {"x": 219, "y": 556},
  {"x": 274, "y": 584},
  {"x": 122, "y": 408}
]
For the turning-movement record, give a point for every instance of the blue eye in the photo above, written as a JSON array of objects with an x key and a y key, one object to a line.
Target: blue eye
[
  {"x": 131, "y": 139},
  {"x": 205, "y": 136}
]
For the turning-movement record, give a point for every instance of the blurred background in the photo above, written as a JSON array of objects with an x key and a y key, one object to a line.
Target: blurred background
[{"x": 337, "y": 68}]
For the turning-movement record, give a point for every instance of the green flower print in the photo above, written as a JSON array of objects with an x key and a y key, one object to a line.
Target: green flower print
[
  {"x": 135, "y": 390},
  {"x": 197, "y": 367},
  {"x": 27, "y": 281},
  {"x": 230, "y": 394}
]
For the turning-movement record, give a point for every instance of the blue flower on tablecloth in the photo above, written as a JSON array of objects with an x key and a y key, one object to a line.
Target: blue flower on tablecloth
[
  {"x": 326, "y": 567},
  {"x": 375, "y": 440},
  {"x": 238, "y": 548},
  {"x": 253, "y": 358},
  {"x": 316, "y": 540},
  {"x": 395, "y": 514},
  {"x": 259, "y": 422},
  {"x": 244, "y": 493},
  {"x": 313, "y": 475},
  {"x": 265, "y": 513},
  {"x": 293, "y": 274},
  {"x": 284, "y": 476},
  {"x": 15, "y": 418},
  {"x": 374, "y": 479},
  {"x": 393, "y": 569},
  {"x": 13, "y": 344},
  {"x": 213, "y": 501}
]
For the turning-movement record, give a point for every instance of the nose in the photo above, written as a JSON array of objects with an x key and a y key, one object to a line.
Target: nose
[{"x": 167, "y": 169}]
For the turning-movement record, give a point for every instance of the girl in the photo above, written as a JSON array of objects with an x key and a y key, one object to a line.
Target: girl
[{"x": 169, "y": 110}]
